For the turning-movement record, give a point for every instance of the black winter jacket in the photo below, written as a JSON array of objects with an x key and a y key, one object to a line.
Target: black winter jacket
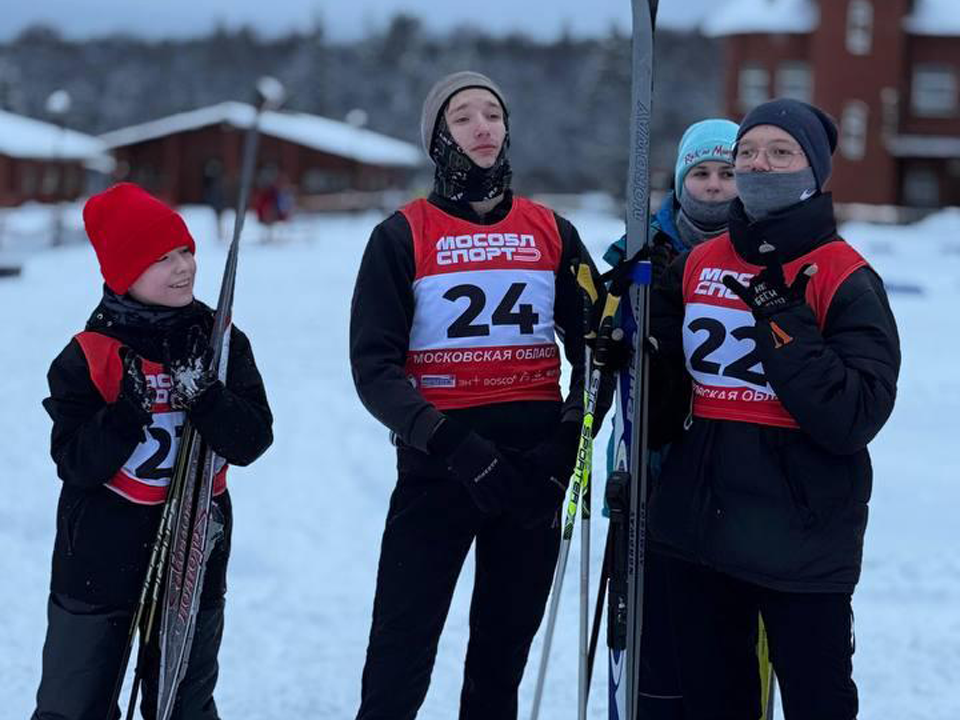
[
  {"x": 103, "y": 541},
  {"x": 782, "y": 508},
  {"x": 380, "y": 321}
]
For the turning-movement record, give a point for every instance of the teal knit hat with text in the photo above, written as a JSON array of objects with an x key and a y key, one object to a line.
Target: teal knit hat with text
[{"x": 711, "y": 139}]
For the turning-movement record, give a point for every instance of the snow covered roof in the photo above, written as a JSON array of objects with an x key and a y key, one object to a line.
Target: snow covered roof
[
  {"x": 323, "y": 134},
  {"x": 741, "y": 17},
  {"x": 29, "y": 139},
  {"x": 924, "y": 146},
  {"x": 934, "y": 17}
]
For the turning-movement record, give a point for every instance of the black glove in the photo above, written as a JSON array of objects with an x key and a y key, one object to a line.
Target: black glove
[
  {"x": 193, "y": 378},
  {"x": 611, "y": 351},
  {"x": 135, "y": 395},
  {"x": 620, "y": 277},
  {"x": 547, "y": 468},
  {"x": 476, "y": 462},
  {"x": 662, "y": 255},
  {"x": 767, "y": 293}
]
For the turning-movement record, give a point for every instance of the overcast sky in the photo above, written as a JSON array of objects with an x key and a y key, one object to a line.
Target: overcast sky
[{"x": 343, "y": 19}]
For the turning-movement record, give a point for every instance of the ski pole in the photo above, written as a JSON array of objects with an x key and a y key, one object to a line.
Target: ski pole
[
  {"x": 182, "y": 592},
  {"x": 579, "y": 477},
  {"x": 585, "y": 281},
  {"x": 771, "y": 710},
  {"x": 598, "y": 611},
  {"x": 149, "y": 589},
  {"x": 768, "y": 682},
  {"x": 770, "y": 705},
  {"x": 601, "y": 337},
  {"x": 174, "y": 498}
]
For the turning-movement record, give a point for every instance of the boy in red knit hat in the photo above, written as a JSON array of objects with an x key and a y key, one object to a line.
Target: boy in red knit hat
[{"x": 120, "y": 393}]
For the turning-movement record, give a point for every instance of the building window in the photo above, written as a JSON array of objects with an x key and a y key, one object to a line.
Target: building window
[
  {"x": 890, "y": 104},
  {"x": 147, "y": 175},
  {"x": 859, "y": 27},
  {"x": 934, "y": 91},
  {"x": 71, "y": 181},
  {"x": 754, "y": 86},
  {"x": 853, "y": 130},
  {"x": 29, "y": 179},
  {"x": 794, "y": 80},
  {"x": 319, "y": 180},
  {"x": 921, "y": 186},
  {"x": 51, "y": 180}
]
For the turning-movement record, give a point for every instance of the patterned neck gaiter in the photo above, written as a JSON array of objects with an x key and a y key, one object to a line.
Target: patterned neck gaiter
[{"x": 458, "y": 178}]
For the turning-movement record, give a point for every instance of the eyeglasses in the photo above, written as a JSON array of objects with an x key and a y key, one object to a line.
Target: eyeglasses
[{"x": 778, "y": 156}]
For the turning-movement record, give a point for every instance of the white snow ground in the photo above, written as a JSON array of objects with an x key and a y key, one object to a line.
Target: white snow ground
[{"x": 309, "y": 514}]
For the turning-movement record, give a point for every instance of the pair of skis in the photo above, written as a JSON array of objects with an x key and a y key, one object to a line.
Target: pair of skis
[
  {"x": 188, "y": 531},
  {"x": 627, "y": 485}
]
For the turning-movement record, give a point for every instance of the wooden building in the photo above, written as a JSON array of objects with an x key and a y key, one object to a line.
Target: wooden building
[
  {"x": 888, "y": 71},
  {"x": 195, "y": 156},
  {"x": 43, "y": 162}
]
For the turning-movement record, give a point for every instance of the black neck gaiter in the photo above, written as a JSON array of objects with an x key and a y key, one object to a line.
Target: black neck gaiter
[
  {"x": 125, "y": 310},
  {"x": 458, "y": 178}
]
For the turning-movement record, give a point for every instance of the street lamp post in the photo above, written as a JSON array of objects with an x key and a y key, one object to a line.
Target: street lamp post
[{"x": 57, "y": 106}]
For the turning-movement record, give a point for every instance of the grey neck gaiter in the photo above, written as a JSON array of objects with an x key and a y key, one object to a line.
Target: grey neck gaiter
[
  {"x": 765, "y": 193},
  {"x": 699, "y": 220}
]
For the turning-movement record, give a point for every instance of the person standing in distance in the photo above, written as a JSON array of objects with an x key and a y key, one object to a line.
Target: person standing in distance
[{"x": 452, "y": 345}]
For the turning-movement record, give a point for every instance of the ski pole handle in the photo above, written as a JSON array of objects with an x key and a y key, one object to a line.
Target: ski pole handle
[
  {"x": 605, "y": 331},
  {"x": 585, "y": 281}
]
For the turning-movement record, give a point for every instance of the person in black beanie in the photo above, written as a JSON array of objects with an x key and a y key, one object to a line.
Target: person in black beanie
[
  {"x": 457, "y": 302},
  {"x": 781, "y": 344},
  {"x": 795, "y": 141}
]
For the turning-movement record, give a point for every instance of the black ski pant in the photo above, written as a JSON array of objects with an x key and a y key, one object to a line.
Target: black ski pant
[
  {"x": 81, "y": 659},
  {"x": 659, "y": 696},
  {"x": 810, "y": 637},
  {"x": 430, "y": 527}
]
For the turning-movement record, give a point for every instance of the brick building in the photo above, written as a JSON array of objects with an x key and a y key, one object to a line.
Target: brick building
[{"x": 887, "y": 70}]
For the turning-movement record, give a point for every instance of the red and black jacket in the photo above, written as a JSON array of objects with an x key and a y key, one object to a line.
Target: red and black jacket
[
  {"x": 104, "y": 537},
  {"x": 774, "y": 493},
  {"x": 382, "y": 319}
]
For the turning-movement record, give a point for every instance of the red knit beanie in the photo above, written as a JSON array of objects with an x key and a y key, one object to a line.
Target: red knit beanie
[{"x": 130, "y": 230}]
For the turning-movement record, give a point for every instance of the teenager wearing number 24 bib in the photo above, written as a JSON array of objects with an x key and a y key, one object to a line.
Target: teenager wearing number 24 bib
[
  {"x": 779, "y": 338},
  {"x": 455, "y": 309}
]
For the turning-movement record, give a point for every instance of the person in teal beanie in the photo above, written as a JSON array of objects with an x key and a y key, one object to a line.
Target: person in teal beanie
[
  {"x": 704, "y": 187},
  {"x": 696, "y": 210}
]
